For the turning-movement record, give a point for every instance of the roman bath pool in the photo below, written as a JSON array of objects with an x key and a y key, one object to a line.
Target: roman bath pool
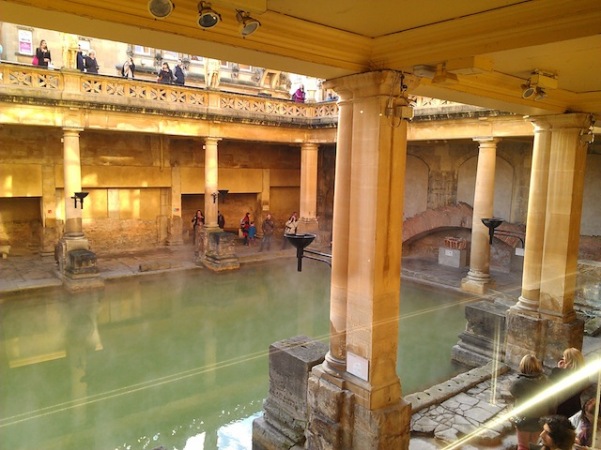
[{"x": 180, "y": 360}]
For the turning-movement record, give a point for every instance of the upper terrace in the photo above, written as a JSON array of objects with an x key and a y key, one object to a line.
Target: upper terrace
[{"x": 25, "y": 84}]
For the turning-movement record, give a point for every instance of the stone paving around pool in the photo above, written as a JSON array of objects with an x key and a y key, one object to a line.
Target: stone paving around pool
[{"x": 466, "y": 405}]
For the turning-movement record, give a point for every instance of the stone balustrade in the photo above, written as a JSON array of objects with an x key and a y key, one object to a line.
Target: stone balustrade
[
  {"x": 68, "y": 87},
  {"x": 75, "y": 88}
]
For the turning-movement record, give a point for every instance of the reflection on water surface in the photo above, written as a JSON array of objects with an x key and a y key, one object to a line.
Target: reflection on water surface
[{"x": 180, "y": 360}]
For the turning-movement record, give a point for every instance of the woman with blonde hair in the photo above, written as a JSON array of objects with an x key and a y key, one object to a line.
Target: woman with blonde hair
[
  {"x": 529, "y": 382},
  {"x": 568, "y": 400}
]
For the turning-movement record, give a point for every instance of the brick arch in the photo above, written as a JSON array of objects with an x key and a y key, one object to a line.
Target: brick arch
[{"x": 453, "y": 217}]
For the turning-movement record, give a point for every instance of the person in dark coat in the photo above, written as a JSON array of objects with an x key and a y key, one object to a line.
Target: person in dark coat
[
  {"x": 530, "y": 382},
  {"x": 165, "y": 75},
  {"x": 179, "y": 75},
  {"x": 81, "y": 64},
  {"x": 90, "y": 63},
  {"x": 43, "y": 54}
]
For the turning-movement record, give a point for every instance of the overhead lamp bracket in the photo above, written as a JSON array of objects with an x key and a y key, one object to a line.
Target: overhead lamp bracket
[
  {"x": 160, "y": 9},
  {"x": 207, "y": 16}
]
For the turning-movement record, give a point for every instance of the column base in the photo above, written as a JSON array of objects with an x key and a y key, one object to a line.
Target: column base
[
  {"x": 338, "y": 422},
  {"x": 307, "y": 225},
  {"x": 484, "y": 334},
  {"x": 219, "y": 253},
  {"x": 477, "y": 282},
  {"x": 524, "y": 336},
  {"x": 285, "y": 410}
]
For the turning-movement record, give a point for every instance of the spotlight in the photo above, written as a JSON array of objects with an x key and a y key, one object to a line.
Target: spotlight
[
  {"x": 207, "y": 17},
  {"x": 160, "y": 8},
  {"x": 528, "y": 91},
  {"x": 249, "y": 25}
]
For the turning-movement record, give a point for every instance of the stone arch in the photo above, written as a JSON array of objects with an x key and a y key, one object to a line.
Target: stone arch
[
  {"x": 504, "y": 185},
  {"x": 416, "y": 186}
]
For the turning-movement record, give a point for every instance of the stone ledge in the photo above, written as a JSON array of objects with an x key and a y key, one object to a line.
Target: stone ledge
[{"x": 450, "y": 388}]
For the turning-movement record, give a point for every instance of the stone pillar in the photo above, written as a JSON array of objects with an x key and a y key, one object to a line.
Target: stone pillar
[
  {"x": 211, "y": 182},
  {"x": 72, "y": 183},
  {"x": 219, "y": 253},
  {"x": 478, "y": 278},
  {"x": 75, "y": 260},
  {"x": 174, "y": 205},
  {"x": 562, "y": 233},
  {"x": 308, "y": 189},
  {"x": 524, "y": 326},
  {"x": 366, "y": 409},
  {"x": 335, "y": 361}
]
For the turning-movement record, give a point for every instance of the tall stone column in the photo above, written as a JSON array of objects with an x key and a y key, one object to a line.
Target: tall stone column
[
  {"x": 562, "y": 233},
  {"x": 211, "y": 182},
  {"x": 75, "y": 260},
  {"x": 72, "y": 180},
  {"x": 218, "y": 247},
  {"x": 308, "y": 189},
  {"x": 368, "y": 407},
  {"x": 335, "y": 361},
  {"x": 524, "y": 326},
  {"x": 478, "y": 278}
]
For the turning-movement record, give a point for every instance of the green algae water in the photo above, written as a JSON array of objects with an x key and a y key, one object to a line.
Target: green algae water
[{"x": 180, "y": 360}]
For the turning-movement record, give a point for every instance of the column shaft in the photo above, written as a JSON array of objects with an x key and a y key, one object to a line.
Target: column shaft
[
  {"x": 72, "y": 182},
  {"x": 211, "y": 182},
  {"x": 478, "y": 277},
  {"x": 375, "y": 229},
  {"x": 336, "y": 358},
  {"x": 308, "y": 188},
  {"x": 563, "y": 215},
  {"x": 535, "y": 222}
]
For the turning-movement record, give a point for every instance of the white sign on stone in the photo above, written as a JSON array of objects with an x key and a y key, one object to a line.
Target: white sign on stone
[{"x": 357, "y": 365}]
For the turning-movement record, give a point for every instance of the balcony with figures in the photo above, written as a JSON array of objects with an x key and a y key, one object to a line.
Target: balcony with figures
[{"x": 31, "y": 85}]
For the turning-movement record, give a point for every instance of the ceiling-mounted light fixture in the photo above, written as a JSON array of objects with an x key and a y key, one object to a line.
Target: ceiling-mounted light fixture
[
  {"x": 537, "y": 85},
  {"x": 442, "y": 77},
  {"x": 207, "y": 16},
  {"x": 160, "y": 8},
  {"x": 249, "y": 25}
]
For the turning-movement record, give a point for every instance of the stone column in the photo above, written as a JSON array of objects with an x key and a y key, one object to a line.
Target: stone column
[
  {"x": 335, "y": 361},
  {"x": 174, "y": 206},
  {"x": 72, "y": 182},
  {"x": 478, "y": 278},
  {"x": 75, "y": 260},
  {"x": 367, "y": 409},
  {"x": 308, "y": 189},
  {"x": 523, "y": 320},
  {"x": 219, "y": 253},
  {"x": 211, "y": 182},
  {"x": 562, "y": 233}
]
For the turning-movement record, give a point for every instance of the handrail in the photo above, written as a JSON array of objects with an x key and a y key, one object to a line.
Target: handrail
[{"x": 49, "y": 85}]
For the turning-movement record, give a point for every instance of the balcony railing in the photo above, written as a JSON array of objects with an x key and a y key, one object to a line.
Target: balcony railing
[
  {"x": 68, "y": 88},
  {"x": 74, "y": 88}
]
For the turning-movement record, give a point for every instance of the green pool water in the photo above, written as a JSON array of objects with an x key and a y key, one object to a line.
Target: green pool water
[{"x": 180, "y": 360}]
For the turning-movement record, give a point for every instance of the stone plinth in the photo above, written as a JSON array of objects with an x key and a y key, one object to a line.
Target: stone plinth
[
  {"x": 524, "y": 333},
  {"x": 452, "y": 257},
  {"x": 285, "y": 413},
  {"x": 484, "y": 335},
  {"x": 338, "y": 422},
  {"x": 219, "y": 252}
]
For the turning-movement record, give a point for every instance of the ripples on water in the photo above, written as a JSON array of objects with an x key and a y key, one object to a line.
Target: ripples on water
[{"x": 180, "y": 360}]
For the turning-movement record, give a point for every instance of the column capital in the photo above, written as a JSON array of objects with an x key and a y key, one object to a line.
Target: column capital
[
  {"x": 491, "y": 140},
  {"x": 306, "y": 146},
  {"x": 211, "y": 140},
  {"x": 72, "y": 131},
  {"x": 558, "y": 121},
  {"x": 367, "y": 84}
]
